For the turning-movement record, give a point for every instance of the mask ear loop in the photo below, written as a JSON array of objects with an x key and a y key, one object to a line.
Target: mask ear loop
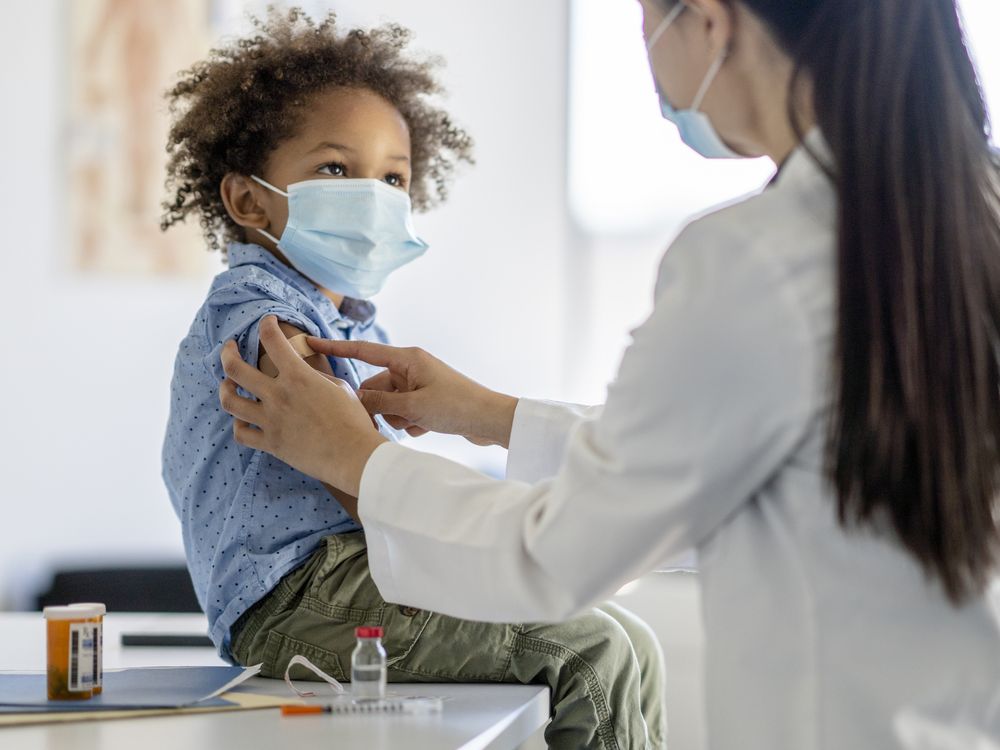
[
  {"x": 268, "y": 185},
  {"x": 664, "y": 25},
  {"x": 331, "y": 681},
  {"x": 713, "y": 71},
  {"x": 267, "y": 234},
  {"x": 273, "y": 189}
]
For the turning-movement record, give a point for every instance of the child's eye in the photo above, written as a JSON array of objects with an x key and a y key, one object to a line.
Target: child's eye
[
  {"x": 334, "y": 169},
  {"x": 395, "y": 180}
]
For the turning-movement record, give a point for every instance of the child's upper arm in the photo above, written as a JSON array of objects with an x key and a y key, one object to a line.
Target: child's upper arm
[
  {"x": 316, "y": 361},
  {"x": 234, "y": 312}
]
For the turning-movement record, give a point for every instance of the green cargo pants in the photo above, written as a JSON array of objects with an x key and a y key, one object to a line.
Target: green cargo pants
[{"x": 604, "y": 668}]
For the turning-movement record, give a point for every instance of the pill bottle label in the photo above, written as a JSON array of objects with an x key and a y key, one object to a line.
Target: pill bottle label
[
  {"x": 80, "y": 669},
  {"x": 98, "y": 662},
  {"x": 97, "y": 623}
]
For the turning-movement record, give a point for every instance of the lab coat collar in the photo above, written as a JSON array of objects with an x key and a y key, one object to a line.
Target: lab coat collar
[{"x": 810, "y": 157}]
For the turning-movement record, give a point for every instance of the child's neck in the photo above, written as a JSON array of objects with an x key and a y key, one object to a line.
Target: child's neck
[{"x": 335, "y": 298}]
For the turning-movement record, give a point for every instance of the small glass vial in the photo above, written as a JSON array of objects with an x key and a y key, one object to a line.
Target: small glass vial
[
  {"x": 70, "y": 648},
  {"x": 368, "y": 665},
  {"x": 96, "y": 612}
]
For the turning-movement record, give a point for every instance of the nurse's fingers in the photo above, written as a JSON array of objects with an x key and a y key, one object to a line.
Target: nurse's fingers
[
  {"x": 248, "y": 435},
  {"x": 233, "y": 403},
  {"x": 381, "y": 382},
  {"x": 388, "y": 403},
  {"x": 380, "y": 355},
  {"x": 247, "y": 376},
  {"x": 397, "y": 423}
]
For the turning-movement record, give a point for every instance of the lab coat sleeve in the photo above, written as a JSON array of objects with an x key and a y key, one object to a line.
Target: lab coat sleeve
[
  {"x": 539, "y": 435},
  {"x": 711, "y": 398}
]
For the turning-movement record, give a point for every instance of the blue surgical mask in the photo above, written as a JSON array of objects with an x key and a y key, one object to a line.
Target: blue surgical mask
[
  {"x": 695, "y": 128},
  {"x": 347, "y": 235}
]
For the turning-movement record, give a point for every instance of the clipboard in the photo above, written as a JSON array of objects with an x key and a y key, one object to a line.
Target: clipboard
[{"x": 132, "y": 693}]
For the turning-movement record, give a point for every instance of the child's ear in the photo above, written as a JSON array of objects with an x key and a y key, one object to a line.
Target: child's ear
[{"x": 239, "y": 194}]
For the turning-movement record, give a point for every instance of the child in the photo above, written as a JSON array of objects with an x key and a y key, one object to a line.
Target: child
[{"x": 301, "y": 148}]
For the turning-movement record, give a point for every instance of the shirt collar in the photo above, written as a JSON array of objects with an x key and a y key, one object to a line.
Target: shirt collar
[{"x": 353, "y": 312}]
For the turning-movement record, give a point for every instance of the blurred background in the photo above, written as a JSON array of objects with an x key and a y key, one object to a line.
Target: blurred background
[{"x": 541, "y": 262}]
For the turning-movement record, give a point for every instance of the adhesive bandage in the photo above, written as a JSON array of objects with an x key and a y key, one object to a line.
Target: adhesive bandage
[{"x": 301, "y": 347}]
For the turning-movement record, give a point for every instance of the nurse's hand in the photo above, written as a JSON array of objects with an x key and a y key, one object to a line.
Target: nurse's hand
[
  {"x": 309, "y": 420},
  {"x": 420, "y": 393}
]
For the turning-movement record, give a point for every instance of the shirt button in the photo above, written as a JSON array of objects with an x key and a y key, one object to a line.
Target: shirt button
[{"x": 409, "y": 611}]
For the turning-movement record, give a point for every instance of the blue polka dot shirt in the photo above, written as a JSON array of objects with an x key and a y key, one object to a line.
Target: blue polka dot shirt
[{"x": 247, "y": 518}]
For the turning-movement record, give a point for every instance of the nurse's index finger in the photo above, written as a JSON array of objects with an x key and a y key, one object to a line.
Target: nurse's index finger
[{"x": 380, "y": 355}]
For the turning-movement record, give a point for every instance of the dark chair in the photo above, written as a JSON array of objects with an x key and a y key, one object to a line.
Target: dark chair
[{"x": 139, "y": 589}]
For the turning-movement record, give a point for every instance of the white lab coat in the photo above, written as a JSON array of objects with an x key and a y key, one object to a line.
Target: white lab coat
[{"x": 711, "y": 438}]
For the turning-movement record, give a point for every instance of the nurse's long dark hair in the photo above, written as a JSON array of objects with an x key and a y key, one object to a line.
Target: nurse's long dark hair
[{"x": 914, "y": 441}]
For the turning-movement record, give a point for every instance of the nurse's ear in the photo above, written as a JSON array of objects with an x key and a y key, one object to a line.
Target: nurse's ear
[
  {"x": 243, "y": 201},
  {"x": 716, "y": 19}
]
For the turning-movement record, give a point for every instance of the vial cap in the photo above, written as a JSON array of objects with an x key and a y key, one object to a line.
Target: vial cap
[
  {"x": 97, "y": 609},
  {"x": 368, "y": 632},
  {"x": 66, "y": 613}
]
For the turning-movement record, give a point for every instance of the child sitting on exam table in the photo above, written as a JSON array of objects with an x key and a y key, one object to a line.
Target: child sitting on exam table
[{"x": 279, "y": 567}]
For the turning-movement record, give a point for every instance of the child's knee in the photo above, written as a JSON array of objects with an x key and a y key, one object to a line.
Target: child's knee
[
  {"x": 618, "y": 647},
  {"x": 595, "y": 638},
  {"x": 644, "y": 641}
]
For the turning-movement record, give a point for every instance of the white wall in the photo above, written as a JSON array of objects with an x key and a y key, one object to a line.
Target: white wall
[
  {"x": 508, "y": 293},
  {"x": 84, "y": 385}
]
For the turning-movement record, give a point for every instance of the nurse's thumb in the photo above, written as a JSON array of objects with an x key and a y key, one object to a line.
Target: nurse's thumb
[{"x": 387, "y": 402}]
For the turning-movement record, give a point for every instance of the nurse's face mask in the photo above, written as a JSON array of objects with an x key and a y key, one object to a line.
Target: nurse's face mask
[
  {"x": 347, "y": 235},
  {"x": 695, "y": 127}
]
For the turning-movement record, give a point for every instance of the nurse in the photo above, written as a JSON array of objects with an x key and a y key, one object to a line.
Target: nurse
[{"x": 814, "y": 403}]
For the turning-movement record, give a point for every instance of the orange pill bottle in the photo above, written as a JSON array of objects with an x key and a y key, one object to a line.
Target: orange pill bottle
[{"x": 70, "y": 641}]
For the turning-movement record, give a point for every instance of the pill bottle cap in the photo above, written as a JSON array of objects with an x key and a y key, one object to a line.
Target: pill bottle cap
[
  {"x": 98, "y": 609},
  {"x": 66, "y": 613},
  {"x": 368, "y": 632}
]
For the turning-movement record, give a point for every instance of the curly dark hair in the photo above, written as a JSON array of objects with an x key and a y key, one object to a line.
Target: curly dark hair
[{"x": 233, "y": 109}]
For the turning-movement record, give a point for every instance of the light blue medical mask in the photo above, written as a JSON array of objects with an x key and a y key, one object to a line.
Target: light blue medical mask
[
  {"x": 347, "y": 235},
  {"x": 695, "y": 128}
]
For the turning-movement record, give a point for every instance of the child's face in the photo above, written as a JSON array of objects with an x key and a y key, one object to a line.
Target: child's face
[{"x": 344, "y": 133}]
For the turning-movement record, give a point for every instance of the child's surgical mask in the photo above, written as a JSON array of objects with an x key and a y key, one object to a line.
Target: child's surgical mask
[
  {"x": 695, "y": 128},
  {"x": 347, "y": 235}
]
